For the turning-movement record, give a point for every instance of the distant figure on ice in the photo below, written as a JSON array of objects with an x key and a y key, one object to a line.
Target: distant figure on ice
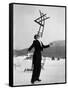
[{"x": 37, "y": 57}]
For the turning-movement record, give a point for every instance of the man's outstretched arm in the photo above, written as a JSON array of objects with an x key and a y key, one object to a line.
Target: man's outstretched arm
[
  {"x": 46, "y": 46},
  {"x": 31, "y": 46}
]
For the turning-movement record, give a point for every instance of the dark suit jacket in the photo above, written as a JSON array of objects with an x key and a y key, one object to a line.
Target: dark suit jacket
[
  {"x": 37, "y": 52},
  {"x": 37, "y": 46}
]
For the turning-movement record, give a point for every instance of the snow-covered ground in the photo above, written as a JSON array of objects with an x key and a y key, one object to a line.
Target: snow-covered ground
[{"x": 52, "y": 72}]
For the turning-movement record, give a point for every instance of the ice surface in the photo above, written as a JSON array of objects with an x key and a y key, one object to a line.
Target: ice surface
[{"x": 52, "y": 72}]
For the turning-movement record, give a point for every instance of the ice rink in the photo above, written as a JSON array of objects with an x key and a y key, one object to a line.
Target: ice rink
[{"x": 53, "y": 71}]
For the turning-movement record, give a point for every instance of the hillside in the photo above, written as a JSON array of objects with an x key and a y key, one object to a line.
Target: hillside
[{"x": 58, "y": 50}]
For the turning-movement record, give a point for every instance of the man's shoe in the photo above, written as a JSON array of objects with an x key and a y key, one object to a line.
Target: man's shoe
[
  {"x": 32, "y": 82},
  {"x": 38, "y": 80}
]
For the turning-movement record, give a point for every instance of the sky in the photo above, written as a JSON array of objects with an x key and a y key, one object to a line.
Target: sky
[{"x": 24, "y": 27}]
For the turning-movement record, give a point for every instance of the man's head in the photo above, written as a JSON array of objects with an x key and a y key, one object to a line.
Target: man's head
[{"x": 36, "y": 36}]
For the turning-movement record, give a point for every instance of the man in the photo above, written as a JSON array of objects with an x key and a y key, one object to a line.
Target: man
[{"x": 37, "y": 57}]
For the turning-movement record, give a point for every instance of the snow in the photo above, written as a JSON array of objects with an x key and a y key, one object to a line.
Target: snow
[{"x": 52, "y": 72}]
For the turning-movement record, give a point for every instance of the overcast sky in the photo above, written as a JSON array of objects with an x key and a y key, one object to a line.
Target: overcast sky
[{"x": 25, "y": 28}]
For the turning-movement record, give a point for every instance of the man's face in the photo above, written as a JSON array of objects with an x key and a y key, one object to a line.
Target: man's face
[{"x": 38, "y": 37}]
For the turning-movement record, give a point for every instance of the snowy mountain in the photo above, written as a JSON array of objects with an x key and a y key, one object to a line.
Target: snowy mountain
[
  {"x": 58, "y": 50},
  {"x": 59, "y": 43}
]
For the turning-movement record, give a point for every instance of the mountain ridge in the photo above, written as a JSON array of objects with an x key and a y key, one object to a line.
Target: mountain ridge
[{"x": 58, "y": 50}]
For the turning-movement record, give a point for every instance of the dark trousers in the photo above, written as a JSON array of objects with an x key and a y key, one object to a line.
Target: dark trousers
[
  {"x": 36, "y": 66},
  {"x": 36, "y": 71}
]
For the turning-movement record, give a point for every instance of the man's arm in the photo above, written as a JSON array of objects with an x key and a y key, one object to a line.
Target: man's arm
[
  {"x": 46, "y": 46},
  {"x": 31, "y": 46}
]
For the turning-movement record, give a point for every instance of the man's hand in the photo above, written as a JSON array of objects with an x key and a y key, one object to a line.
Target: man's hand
[{"x": 51, "y": 44}]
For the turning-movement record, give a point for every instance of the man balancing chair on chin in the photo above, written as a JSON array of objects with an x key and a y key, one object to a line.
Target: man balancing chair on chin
[{"x": 37, "y": 57}]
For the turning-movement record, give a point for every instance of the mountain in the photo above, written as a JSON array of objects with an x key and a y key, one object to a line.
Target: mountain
[
  {"x": 57, "y": 50},
  {"x": 59, "y": 43}
]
